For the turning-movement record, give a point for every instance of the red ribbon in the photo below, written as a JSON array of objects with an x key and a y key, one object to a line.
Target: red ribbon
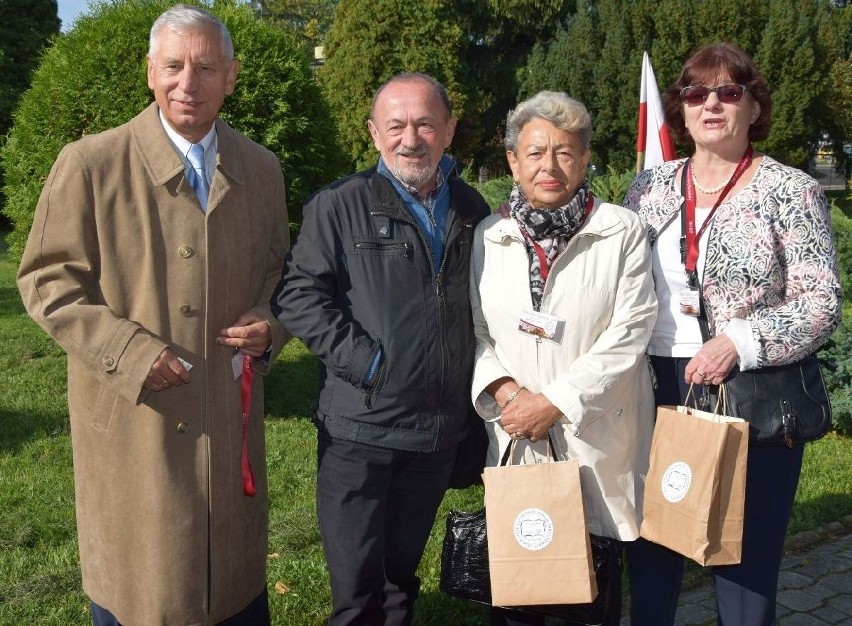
[
  {"x": 245, "y": 465},
  {"x": 692, "y": 237}
]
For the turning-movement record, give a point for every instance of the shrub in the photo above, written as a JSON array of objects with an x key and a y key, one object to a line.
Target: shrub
[
  {"x": 612, "y": 186},
  {"x": 842, "y": 225},
  {"x": 836, "y": 356},
  {"x": 93, "y": 78},
  {"x": 495, "y": 191}
]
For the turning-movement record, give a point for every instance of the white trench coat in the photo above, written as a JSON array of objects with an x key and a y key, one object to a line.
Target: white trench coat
[{"x": 596, "y": 374}]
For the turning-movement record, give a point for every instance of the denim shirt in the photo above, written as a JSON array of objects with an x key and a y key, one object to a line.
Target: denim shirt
[{"x": 432, "y": 223}]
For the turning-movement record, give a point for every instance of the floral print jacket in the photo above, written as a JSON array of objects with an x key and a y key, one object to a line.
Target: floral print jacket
[{"x": 770, "y": 261}]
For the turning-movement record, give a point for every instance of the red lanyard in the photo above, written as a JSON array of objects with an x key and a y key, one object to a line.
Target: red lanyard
[
  {"x": 247, "y": 379},
  {"x": 692, "y": 238},
  {"x": 539, "y": 251}
]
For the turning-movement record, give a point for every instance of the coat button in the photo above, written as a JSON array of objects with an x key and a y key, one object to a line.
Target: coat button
[
  {"x": 181, "y": 427},
  {"x": 108, "y": 361},
  {"x": 185, "y": 309},
  {"x": 186, "y": 251}
]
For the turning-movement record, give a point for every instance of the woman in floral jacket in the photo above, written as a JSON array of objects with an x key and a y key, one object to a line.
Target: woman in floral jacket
[{"x": 752, "y": 238}]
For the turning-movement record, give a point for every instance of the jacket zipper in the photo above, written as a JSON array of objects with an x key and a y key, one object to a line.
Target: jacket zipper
[
  {"x": 368, "y": 398},
  {"x": 455, "y": 229}
]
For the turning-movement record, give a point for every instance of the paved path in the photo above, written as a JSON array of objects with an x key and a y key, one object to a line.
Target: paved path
[{"x": 814, "y": 588}]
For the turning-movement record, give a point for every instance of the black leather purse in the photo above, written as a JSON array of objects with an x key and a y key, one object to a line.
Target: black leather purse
[
  {"x": 465, "y": 573},
  {"x": 464, "y": 557},
  {"x": 783, "y": 405}
]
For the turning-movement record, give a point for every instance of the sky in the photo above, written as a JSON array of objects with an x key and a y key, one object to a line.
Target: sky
[{"x": 69, "y": 10}]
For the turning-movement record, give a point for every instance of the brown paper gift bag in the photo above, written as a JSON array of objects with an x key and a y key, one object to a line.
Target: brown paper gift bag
[
  {"x": 695, "y": 489},
  {"x": 538, "y": 542}
]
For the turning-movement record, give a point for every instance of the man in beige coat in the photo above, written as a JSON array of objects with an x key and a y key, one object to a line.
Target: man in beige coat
[{"x": 159, "y": 292}]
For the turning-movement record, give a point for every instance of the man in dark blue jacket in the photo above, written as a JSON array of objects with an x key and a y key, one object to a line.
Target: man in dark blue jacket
[{"x": 377, "y": 288}]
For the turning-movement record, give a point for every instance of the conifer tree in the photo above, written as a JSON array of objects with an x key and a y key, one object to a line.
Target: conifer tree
[{"x": 26, "y": 26}]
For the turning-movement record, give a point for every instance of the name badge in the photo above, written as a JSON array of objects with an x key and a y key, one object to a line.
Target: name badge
[
  {"x": 237, "y": 364},
  {"x": 690, "y": 303},
  {"x": 541, "y": 325}
]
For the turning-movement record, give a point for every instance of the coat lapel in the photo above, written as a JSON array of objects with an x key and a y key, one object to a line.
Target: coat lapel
[
  {"x": 229, "y": 165},
  {"x": 161, "y": 160},
  {"x": 163, "y": 164}
]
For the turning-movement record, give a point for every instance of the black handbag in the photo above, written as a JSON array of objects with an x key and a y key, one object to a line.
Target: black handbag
[
  {"x": 465, "y": 573},
  {"x": 783, "y": 405},
  {"x": 464, "y": 557}
]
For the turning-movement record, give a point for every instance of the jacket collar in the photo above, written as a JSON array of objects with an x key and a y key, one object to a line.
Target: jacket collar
[
  {"x": 386, "y": 200},
  {"x": 161, "y": 160},
  {"x": 602, "y": 222}
]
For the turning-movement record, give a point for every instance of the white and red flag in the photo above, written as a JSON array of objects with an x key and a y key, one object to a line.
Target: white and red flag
[{"x": 654, "y": 143}]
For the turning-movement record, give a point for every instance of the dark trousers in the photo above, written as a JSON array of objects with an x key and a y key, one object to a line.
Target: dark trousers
[
  {"x": 745, "y": 592},
  {"x": 255, "y": 614},
  {"x": 507, "y": 617},
  {"x": 376, "y": 508}
]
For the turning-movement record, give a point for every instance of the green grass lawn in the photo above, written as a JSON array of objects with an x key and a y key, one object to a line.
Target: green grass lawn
[{"x": 39, "y": 569}]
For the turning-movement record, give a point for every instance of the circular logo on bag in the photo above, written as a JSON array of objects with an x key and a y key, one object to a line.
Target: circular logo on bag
[
  {"x": 533, "y": 529},
  {"x": 676, "y": 481}
]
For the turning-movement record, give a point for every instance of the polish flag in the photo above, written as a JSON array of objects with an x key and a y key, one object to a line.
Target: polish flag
[{"x": 654, "y": 144}]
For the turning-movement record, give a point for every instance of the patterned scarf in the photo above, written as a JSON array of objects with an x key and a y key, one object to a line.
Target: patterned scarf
[{"x": 549, "y": 228}]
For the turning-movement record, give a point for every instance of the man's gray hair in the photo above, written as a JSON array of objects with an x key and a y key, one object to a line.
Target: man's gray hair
[
  {"x": 184, "y": 17},
  {"x": 556, "y": 107}
]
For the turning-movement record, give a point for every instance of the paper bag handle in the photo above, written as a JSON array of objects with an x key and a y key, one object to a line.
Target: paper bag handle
[
  {"x": 721, "y": 400},
  {"x": 510, "y": 451}
]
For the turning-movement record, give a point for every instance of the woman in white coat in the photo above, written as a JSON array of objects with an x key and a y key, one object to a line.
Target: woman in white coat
[{"x": 563, "y": 305}]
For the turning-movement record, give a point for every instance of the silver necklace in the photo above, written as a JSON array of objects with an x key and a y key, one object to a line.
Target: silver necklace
[{"x": 704, "y": 190}]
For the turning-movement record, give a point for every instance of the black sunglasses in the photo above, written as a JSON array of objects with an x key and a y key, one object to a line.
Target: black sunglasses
[{"x": 697, "y": 94}]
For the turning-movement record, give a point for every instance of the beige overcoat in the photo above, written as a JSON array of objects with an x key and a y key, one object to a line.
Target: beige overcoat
[{"x": 121, "y": 262}]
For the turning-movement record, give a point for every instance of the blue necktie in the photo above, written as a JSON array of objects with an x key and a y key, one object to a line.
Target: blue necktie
[{"x": 197, "y": 175}]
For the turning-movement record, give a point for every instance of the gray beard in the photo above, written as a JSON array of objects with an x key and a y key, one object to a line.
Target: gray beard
[{"x": 414, "y": 178}]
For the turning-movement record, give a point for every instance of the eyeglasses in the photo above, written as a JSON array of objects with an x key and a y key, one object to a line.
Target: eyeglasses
[{"x": 697, "y": 94}]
